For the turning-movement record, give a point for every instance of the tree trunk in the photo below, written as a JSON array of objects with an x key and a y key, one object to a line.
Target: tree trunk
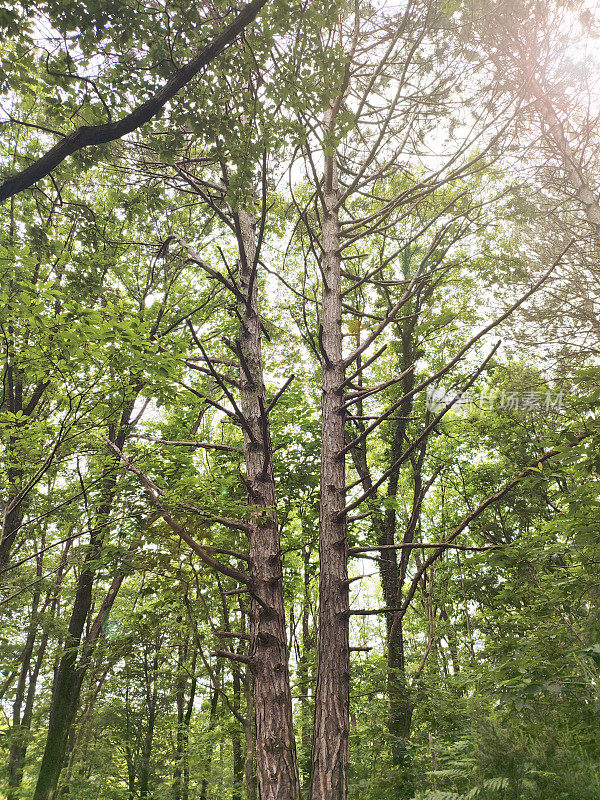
[
  {"x": 393, "y": 576},
  {"x": 277, "y": 769},
  {"x": 145, "y": 757},
  {"x": 12, "y": 521},
  {"x": 400, "y": 712},
  {"x": 332, "y": 694},
  {"x": 399, "y": 707},
  {"x": 130, "y": 772},
  {"x": 13, "y": 401},
  {"x": 129, "y": 755}
]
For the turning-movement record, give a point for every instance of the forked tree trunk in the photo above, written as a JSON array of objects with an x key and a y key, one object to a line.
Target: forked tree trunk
[
  {"x": 277, "y": 768},
  {"x": 332, "y": 700}
]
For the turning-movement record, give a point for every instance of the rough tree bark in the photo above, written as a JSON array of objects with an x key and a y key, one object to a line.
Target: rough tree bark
[
  {"x": 277, "y": 768},
  {"x": 332, "y": 693},
  {"x": 250, "y": 741}
]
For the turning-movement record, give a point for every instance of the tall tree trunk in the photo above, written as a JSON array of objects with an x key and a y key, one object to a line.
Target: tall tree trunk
[
  {"x": 332, "y": 694},
  {"x": 392, "y": 569},
  {"x": 400, "y": 711},
  {"x": 18, "y": 750},
  {"x": 146, "y": 756},
  {"x": 65, "y": 696},
  {"x": 393, "y": 574},
  {"x": 78, "y": 732},
  {"x": 130, "y": 772},
  {"x": 392, "y": 580},
  {"x": 12, "y": 517},
  {"x": 13, "y": 401},
  {"x": 277, "y": 768}
]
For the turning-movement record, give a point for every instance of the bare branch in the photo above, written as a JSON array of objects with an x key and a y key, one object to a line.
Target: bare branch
[
  {"x": 273, "y": 402},
  {"x": 205, "y": 445},
  {"x": 233, "y": 656}
]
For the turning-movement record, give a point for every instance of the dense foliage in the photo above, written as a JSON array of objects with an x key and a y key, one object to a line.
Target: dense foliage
[{"x": 302, "y": 372}]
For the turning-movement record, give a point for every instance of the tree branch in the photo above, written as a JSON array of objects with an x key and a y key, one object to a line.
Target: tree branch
[
  {"x": 89, "y": 135},
  {"x": 152, "y": 492}
]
